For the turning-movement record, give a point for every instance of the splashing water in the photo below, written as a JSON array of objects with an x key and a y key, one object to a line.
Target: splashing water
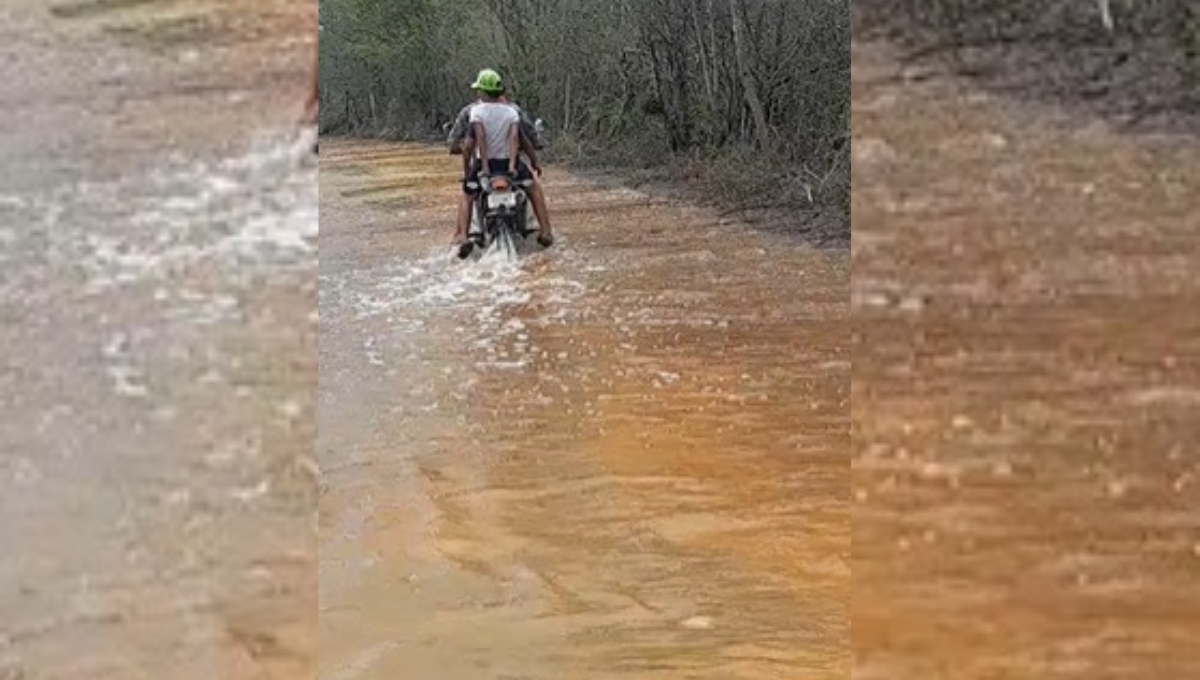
[{"x": 259, "y": 208}]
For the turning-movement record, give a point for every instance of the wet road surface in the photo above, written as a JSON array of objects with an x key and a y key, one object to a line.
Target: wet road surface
[
  {"x": 157, "y": 316},
  {"x": 1025, "y": 390},
  {"x": 622, "y": 458}
]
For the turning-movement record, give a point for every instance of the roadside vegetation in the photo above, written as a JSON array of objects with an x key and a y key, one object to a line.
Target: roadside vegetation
[{"x": 747, "y": 100}]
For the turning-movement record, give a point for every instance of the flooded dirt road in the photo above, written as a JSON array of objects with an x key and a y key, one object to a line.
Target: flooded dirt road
[
  {"x": 157, "y": 318},
  {"x": 622, "y": 458},
  {"x": 1026, "y": 386}
]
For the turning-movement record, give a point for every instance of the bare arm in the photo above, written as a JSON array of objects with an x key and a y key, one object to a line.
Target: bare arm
[
  {"x": 482, "y": 146},
  {"x": 514, "y": 147},
  {"x": 528, "y": 148},
  {"x": 468, "y": 151}
]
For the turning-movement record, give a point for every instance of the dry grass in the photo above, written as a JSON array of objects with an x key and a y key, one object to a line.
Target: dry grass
[{"x": 1141, "y": 75}]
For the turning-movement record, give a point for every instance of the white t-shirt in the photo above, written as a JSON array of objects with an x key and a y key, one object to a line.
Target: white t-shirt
[{"x": 498, "y": 119}]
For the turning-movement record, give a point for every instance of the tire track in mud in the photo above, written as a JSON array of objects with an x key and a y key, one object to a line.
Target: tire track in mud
[{"x": 1025, "y": 378}]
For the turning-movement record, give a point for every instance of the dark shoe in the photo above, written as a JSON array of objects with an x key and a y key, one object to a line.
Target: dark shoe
[
  {"x": 545, "y": 240},
  {"x": 465, "y": 248}
]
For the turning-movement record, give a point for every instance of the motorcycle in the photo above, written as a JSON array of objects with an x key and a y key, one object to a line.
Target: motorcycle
[
  {"x": 502, "y": 213},
  {"x": 502, "y": 216}
]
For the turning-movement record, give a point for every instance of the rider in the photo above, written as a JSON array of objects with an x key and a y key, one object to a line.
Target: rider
[
  {"x": 462, "y": 141},
  {"x": 497, "y": 138},
  {"x": 461, "y": 132}
]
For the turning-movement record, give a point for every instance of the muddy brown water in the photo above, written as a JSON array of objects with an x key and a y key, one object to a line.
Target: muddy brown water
[
  {"x": 1025, "y": 392},
  {"x": 624, "y": 457},
  {"x": 157, "y": 320}
]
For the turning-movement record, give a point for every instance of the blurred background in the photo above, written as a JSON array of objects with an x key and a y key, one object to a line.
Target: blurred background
[
  {"x": 1024, "y": 381},
  {"x": 1136, "y": 64},
  {"x": 158, "y": 215}
]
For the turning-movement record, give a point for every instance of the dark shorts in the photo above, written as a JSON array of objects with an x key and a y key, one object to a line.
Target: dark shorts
[{"x": 496, "y": 167}]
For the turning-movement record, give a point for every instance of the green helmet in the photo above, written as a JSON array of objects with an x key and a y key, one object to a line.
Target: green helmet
[{"x": 488, "y": 81}]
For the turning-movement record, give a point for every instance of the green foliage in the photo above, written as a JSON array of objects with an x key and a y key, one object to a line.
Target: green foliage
[{"x": 628, "y": 81}]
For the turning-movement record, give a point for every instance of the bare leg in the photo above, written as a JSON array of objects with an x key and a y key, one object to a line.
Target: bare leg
[
  {"x": 464, "y": 218},
  {"x": 539, "y": 208},
  {"x": 466, "y": 203}
]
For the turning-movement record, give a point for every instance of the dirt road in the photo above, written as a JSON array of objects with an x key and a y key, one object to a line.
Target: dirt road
[
  {"x": 622, "y": 458},
  {"x": 1026, "y": 385}
]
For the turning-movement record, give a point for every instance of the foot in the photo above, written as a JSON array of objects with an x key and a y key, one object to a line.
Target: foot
[
  {"x": 463, "y": 245},
  {"x": 545, "y": 239}
]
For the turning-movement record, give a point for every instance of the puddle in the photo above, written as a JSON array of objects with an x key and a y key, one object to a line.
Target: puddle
[
  {"x": 1023, "y": 435},
  {"x": 622, "y": 457}
]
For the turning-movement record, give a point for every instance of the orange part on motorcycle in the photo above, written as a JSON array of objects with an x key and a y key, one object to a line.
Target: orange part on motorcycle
[{"x": 500, "y": 183}]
